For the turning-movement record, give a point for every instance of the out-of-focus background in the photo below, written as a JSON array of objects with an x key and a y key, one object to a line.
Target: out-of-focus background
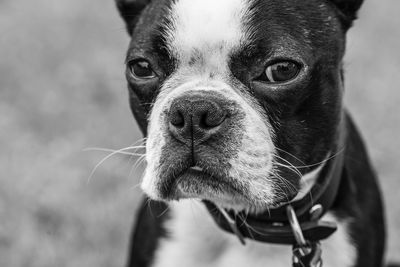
[{"x": 62, "y": 90}]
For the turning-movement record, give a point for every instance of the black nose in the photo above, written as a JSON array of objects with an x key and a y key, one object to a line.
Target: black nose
[{"x": 195, "y": 118}]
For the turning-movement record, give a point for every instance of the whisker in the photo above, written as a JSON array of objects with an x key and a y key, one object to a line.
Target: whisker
[
  {"x": 132, "y": 157},
  {"x": 290, "y": 154},
  {"x": 148, "y": 204},
  {"x": 341, "y": 150},
  {"x": 103, "y": 160},
  {"x": 290, "y": 168},
  {"x": 250, "y": 227},
  {"x": 122, "y": 151},
  {"x": 135, "y": 186},
  {"x": 323, "y": 161},
  {"x": 285, "y": 195},
  {"x": 165, "y": 211},
  {"x": 113, "y": 150},
  {"x": 136, "y": 164},
  {"x": 293, "y": 168},
  {"x": 109, "y": 149}
]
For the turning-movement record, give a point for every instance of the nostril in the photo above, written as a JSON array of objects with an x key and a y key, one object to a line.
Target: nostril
[
  {"x": 177, "y": 119},
  {"x": 211, "y": 119}
]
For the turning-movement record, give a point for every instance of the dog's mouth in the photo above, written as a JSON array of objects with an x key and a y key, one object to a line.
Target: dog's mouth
[
  {"x": 207, "y": 183},
  {"x": 197, "y": 182}
]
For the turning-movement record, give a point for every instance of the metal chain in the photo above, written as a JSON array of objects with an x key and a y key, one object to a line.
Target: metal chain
[
  {"x": 312, "y": 259},
  {"x": 305, "y": 254}
]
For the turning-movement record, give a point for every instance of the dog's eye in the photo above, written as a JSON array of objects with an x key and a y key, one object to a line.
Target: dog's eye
[
  {"x": 281, "y": 72},
  {"x": 141, "y": 69}
]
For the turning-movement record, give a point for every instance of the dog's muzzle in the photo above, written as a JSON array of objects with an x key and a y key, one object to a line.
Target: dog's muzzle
[{"x": 209, "y": 142}]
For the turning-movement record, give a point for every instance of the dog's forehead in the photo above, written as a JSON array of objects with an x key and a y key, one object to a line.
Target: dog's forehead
[
  {"x": 211, "y": 31},
  {"x": 201, "y": 26}
]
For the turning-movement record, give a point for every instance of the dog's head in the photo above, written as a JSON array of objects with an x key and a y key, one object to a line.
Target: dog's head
[{"x": 238, "y": 98}]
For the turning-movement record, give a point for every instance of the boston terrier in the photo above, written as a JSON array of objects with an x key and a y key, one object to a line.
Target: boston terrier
[{"x": 248, "y": 141}]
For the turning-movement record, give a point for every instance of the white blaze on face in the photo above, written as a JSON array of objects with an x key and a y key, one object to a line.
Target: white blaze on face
[
  {"x": 209, "y": 26},
  {"x": 209, "y": 31}
]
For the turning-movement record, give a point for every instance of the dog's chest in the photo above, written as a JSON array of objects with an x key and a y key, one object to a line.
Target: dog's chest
[{"x": 195, "y": 240}]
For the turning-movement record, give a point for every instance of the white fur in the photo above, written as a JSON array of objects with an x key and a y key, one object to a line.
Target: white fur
[
  {"x": 196, "y": 241},
  {"x": 307, "y": 181},
  {"x": 206, "y": 25}
]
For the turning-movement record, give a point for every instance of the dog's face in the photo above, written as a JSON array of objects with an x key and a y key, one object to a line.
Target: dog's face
[{"x": 238, "y": 98}]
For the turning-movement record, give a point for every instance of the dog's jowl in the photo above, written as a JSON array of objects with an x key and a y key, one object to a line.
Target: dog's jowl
[{"x": 241, "y": 103}]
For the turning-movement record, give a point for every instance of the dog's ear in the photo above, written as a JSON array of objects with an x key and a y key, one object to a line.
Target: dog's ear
[
  {"x": 348, "y": 9},
  {"x": 130, "y": 11}
]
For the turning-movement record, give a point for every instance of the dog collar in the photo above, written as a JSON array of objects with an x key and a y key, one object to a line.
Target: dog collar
[{"x": 275, "y": 226}]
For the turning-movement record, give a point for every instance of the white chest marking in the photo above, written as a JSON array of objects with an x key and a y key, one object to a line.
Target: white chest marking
[{"x": 196, "y": 241}]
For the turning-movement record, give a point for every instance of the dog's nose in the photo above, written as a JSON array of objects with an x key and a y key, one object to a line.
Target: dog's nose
[{"x": 195, "y": 118}]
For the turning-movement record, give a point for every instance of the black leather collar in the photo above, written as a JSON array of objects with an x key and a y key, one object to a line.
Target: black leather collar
[{"x": 274, "y": 227}]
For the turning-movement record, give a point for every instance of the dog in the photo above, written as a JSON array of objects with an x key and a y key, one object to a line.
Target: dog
[{"x": 247, "y": 136}]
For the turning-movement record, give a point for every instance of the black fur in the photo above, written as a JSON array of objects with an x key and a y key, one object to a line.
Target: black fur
[
  {"x": 359, "y": 199},
  {"x": 147, "y": 232},
  {"x": 348, "y": 10},
  {"x": 130, "y": 11}
]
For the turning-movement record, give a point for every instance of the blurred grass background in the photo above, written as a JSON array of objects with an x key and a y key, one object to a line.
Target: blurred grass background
[{"x": 62, "y": 89}]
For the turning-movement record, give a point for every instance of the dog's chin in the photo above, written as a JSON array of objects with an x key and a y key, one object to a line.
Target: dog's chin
[{"x": 196, "y": 184}]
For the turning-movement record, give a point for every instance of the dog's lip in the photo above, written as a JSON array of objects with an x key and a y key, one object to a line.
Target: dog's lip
[
  {"x": 199, "y": 172},
  {"x": 196, "y": 176}
]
